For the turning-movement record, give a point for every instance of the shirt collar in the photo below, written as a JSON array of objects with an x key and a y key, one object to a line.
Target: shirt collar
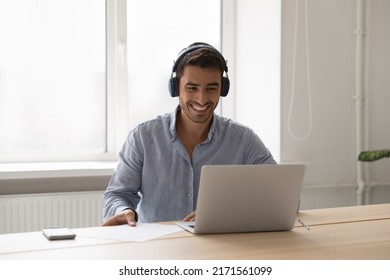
[
  {"x": 172, "y": 120},
  {"x": 172, "y": 127}
]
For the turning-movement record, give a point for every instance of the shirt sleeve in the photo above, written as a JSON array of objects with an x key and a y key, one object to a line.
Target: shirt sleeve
[
  {"x": 123, "y": 189},
  {"x": 256, "y": 152}
]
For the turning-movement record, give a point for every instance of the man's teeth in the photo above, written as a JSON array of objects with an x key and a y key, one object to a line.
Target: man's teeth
[{"x": 198, "y": 108}]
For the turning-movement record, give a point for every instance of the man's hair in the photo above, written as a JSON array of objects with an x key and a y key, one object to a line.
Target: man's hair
[{"x": 203, "y": 57}]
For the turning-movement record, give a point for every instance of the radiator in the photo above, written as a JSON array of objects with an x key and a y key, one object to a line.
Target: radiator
[{"x": 32, "y": 212}]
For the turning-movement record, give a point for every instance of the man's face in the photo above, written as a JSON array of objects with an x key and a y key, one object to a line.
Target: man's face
[{"x": 199, "y": 92}]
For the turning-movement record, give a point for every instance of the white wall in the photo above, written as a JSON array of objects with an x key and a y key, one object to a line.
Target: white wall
[
  {"x": 330, "y": 150},
  {"x": 319, "y": 127},
  {"x": 256, "y": 81}
]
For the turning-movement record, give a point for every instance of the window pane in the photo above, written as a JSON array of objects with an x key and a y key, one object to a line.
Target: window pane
[
  {"x": 52, "y": 76},
  {"x": 155, "y": 37}
]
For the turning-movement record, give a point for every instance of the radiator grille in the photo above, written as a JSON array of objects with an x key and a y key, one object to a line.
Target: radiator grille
[{"x": 21, "y": 213}]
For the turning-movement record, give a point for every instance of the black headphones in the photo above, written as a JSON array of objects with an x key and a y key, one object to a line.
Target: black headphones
[{"x": 173, "y": 83}]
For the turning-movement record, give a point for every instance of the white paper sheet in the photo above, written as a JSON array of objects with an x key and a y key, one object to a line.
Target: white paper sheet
[{"x": 142, "y": 232}]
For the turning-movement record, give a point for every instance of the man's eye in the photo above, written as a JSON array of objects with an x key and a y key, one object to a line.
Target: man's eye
[{"x": 191, "y": 88}]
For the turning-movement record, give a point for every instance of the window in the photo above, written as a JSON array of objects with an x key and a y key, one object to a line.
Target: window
[
  {"x": 77, "y": 75},
  {"x": 52, "y": 79},
  {"x": 155, "y": 37}
]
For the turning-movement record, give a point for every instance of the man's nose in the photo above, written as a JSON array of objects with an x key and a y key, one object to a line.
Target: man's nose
[{"x": 201, "y": 97}]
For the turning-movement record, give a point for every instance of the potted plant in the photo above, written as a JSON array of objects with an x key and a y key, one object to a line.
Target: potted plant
[{"x": 373, "y": 155}]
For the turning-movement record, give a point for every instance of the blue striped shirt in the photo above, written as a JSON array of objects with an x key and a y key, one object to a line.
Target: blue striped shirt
[{"x": 156, "y": 176}]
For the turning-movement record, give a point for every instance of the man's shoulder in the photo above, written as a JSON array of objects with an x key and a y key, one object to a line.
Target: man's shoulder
[
  {"x": 154, "y": 122},
  {"x": 230, "y": 124},
  {"x": 153, "y": 125}
]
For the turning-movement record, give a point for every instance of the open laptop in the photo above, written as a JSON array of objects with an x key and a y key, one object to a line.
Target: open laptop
[{"x": 247, "y": 198}]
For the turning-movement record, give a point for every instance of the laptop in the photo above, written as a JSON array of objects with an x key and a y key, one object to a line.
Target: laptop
[{"x": 247, "y": 198}]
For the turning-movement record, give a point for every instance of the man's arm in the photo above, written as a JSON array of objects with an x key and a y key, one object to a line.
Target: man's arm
[
  {"x": 122, "y": 195},
  {"x": 257, "y": 152}
]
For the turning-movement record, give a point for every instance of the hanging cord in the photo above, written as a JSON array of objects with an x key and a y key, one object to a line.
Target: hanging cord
[{"x": 305, "y": 136}]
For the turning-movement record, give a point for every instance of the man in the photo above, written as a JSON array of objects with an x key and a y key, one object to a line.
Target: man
[{"x": 159, "y": 167}]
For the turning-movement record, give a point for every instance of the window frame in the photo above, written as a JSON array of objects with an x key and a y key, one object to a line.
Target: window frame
[
  {"x": 117, "y": 120},
  {"x": 116, "y": 87}
]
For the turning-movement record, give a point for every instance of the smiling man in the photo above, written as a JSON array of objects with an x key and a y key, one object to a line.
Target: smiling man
[
  {"x": 200, "y": 90},
  {"x": 158, "y": 172}
]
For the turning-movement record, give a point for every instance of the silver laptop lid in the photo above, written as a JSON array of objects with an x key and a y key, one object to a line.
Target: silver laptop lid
[{"x": 247, "y": 198}]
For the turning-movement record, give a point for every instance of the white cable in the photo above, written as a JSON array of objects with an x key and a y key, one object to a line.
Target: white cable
[{"x": 294, "y": 136}]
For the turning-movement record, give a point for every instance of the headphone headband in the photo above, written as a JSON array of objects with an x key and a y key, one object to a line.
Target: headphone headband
[{"x": 194, "y": 47}]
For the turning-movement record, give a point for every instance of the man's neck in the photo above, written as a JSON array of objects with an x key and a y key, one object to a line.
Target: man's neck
[{"x": 190, "y": 133}]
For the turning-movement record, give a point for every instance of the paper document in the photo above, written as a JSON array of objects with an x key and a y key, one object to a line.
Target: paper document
[{"x": 142, "y": 232}]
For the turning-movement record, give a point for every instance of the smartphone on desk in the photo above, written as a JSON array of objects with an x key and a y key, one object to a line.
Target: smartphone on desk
[{"x": 58, "y": 233}]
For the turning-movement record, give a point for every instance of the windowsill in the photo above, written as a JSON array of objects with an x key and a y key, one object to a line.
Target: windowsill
[{"x": 10, "y": 171}]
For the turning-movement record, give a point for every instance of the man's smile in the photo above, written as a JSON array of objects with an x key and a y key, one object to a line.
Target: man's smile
[{"x": 199, "y": 107}]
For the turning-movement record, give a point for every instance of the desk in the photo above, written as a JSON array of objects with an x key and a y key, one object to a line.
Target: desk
[{"x": 358, "y": 232}]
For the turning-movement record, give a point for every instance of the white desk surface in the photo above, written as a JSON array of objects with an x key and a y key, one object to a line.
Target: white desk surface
[{"x": 358, "y": 232}]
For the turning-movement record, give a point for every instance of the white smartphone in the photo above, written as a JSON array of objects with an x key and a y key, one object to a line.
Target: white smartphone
[{"x": 58, "y": 233}]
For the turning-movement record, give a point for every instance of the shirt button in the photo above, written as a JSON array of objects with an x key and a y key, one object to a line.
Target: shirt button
[{"x": 190, "y": 195}]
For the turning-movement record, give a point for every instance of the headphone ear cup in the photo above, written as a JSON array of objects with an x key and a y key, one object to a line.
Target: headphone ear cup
[
  {"x": 225, "y": 86},
  {"x": 172, "y": 87}
]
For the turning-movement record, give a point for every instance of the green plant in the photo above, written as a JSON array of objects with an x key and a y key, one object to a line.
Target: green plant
[{"x": 373, "y": 155}]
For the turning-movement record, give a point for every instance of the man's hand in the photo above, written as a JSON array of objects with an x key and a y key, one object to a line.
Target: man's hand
[
  {"x": 126, "y": 217},
  {"x": 190, "y": 217}
]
